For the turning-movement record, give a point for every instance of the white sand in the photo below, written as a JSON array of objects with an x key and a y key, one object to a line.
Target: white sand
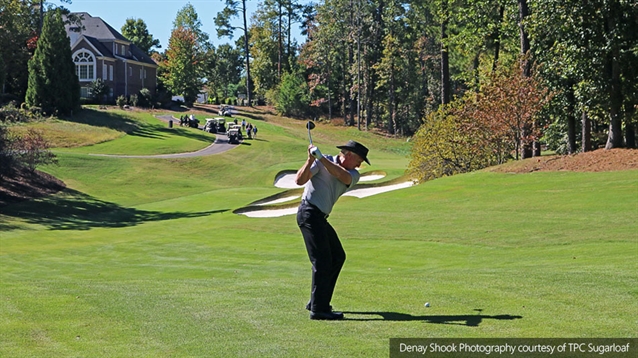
[
  {"x": 270, "y": 213},
  {"x": 364, "y": 192},
  {"x": 288, "y": 181},
  {"x": 277, "y": 201}
]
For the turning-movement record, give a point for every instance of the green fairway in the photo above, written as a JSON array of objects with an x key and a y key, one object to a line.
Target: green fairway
[{"x": 144, "y": 257}]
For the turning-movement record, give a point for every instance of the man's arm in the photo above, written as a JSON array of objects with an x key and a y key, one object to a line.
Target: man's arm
[
  {"x": 304, "y": 174},
  {"x": 337, "y": 171}
]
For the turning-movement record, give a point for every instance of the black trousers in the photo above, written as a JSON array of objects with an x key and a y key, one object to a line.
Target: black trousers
[{"x": 325, "y": 252}]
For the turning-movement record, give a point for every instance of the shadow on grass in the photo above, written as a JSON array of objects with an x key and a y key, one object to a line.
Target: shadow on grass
[
  {"x": 115, "y": 121},
  {"x": 461, "y": 320},
  {"x": 122, "y": 123},
  {"x": 73, "y": 210}
]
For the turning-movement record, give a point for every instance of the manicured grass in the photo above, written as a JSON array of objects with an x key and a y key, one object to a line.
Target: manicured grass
[{"x": 144, "y": 258}]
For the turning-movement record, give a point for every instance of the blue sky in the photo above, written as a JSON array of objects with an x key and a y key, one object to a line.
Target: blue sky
[{"x": 160, "y": 14}]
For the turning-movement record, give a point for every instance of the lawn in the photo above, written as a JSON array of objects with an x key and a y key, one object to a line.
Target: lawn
[{"x": 144, "y": 258}]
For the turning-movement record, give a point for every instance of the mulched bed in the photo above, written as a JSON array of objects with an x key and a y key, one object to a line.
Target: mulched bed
[
  {"x": 600, "y": 160},
  {"x": 25, "y": 185}
]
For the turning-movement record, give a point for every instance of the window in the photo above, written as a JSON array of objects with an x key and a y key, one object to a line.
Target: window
[
  {"x": 85, "y": 92},
  {"x": 111, "y": 72},
  {"x": 84, "y": 66},
  {"x": 130, "y": 71},
  {"x": 123, "y": 51},
  {"x": 141, "y": 73},
  {"x": 104, "y": 74}
]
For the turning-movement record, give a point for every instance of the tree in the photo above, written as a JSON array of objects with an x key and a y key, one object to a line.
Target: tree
[
  {"x": 222, "y": 70},
  {"x": 224, "y": 28},
  {"x": 509, "y": 105},
  {"x": 587, "y": 49},
  {"x": 292, "y": 95},
  {"x": 136, "y": 31},
  {"x": 188, "y": 19},
  {"x": 3, "y": 72},
  {"x": 53, "y": 84},
  {"x": 181, "y": 70},
  {"x": 18, "y": 35},
  {"x": 265, "y": 51}
]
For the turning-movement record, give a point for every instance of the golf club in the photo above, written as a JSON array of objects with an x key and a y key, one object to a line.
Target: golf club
[{"x": 310, "y": 125}]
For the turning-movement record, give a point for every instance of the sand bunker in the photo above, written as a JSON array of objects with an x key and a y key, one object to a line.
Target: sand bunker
[
  {"x": 287, "y": 181},
  {"x": 278, "y": 201},
  {"x": 364, "y": 192},
  {"x": 270, "y": 213}
]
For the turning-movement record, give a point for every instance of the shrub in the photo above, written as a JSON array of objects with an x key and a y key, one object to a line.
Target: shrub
[
  {"x": 11, "y": 113},
  {"x": 7, "y": 159},
  {"x": 120, "y": 101},
  {"x": 451, "y": 142},
  {"x": 134, "y": 100},
  {"x": 145, "y": 99},
  {"x": 99, "y": 90},
  {"x": 27, "y": 151},
  {"x": 32, "y": 149}
]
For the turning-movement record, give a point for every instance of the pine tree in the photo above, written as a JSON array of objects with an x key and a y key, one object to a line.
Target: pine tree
[{"x": 53, "y": 84}]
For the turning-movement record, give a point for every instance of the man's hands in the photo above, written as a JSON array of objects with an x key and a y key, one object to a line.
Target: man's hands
[{"x": 315, "y": 152}]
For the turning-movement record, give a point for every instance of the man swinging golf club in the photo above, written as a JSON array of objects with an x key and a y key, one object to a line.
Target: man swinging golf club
[{"x": 325, "y": 178}]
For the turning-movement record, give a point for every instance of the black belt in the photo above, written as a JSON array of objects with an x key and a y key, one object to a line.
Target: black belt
[{"x": 306, "y": 202}]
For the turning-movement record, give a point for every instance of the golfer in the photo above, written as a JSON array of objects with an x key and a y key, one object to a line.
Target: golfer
[{"x": 325, "y": 178}]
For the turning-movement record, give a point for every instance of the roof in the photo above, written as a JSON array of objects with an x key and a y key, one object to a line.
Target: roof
[
  {"x": 96, "y": 31},
  {"x": 97, "y": 28}
]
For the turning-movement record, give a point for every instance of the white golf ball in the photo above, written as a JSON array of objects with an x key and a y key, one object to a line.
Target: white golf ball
[{"x": 427, "y": 304}]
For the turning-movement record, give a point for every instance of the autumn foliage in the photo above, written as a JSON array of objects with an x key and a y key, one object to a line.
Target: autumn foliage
[{"x": 480, "y": 129}]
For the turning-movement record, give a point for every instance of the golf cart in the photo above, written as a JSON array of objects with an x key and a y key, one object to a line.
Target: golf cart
[
  {"x": 215, "y": 125},
  {"x": 225, "y": 110},
  {"x": 193, "y": 123},
  {"x": 234, "y": 134}
]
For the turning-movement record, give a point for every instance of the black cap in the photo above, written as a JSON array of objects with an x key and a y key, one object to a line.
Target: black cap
[{"x": 357, "y": 148}]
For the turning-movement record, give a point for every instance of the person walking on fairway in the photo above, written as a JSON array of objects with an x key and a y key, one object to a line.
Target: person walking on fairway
[{"x": 325, "y": 178}]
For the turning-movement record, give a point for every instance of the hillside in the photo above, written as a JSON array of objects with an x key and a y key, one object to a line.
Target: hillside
[{"x": 25, "y": 186}]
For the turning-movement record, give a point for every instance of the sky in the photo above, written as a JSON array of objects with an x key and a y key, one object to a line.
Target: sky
[{"x": 160, "y": 14}]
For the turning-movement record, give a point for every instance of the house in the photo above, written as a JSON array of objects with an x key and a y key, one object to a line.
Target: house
[{"x": 100, "y": 51}]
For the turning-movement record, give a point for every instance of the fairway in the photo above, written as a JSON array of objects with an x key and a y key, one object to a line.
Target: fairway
[{"x": 145, "y": 257}]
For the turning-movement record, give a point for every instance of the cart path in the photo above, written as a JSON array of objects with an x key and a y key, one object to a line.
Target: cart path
[{"x": 220, "y": 145}]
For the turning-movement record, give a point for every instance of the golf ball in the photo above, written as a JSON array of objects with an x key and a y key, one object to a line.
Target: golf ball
[{"x": 427, "y": 304}]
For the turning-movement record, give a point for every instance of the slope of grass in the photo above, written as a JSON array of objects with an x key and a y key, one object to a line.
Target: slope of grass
[{"x": 143, "y": 258}]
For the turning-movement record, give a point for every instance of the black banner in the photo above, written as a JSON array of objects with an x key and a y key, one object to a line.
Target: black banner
[{"x": 513, "y": 347}]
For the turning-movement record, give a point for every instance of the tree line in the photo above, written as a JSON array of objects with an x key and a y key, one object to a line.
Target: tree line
[
  {"x": 388, "y": 64},
  {"x": 394, "y": 65}
]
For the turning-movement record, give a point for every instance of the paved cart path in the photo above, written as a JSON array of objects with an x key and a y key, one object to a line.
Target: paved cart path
[{"x": 220, "y": 145}]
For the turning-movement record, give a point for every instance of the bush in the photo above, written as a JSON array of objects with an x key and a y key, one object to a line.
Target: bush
[
  {"x": 145, "y": 99},
  {"x": 134, "y": 100},
  {"x": 27, "y": 151},
  {"x": 7, "y": 159},
  {"x": 99, "y": 90},
  {"x": 12, "y": 114},
  {"x": 121, "y": 101},
  {"x": 450, "y": 142},
  {"x": 32, "y": 150}
]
